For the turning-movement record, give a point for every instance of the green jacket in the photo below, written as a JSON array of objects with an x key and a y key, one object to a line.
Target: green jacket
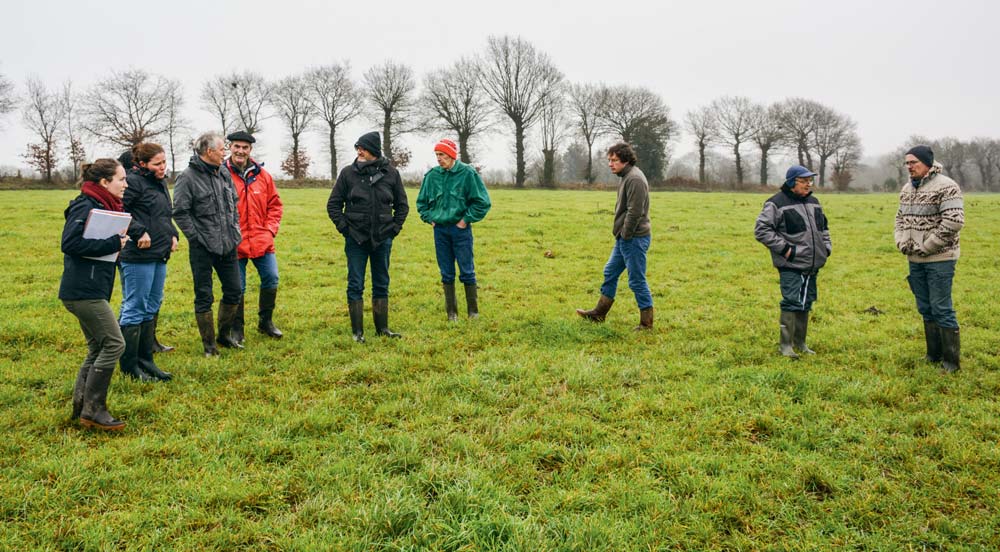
[{"x": 448, "y": 196}]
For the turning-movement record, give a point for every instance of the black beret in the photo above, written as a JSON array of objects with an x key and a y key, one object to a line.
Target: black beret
[{"x": 241, "y": 136}]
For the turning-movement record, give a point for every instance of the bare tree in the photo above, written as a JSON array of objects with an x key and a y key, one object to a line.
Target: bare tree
[
  {"x": 8, "y": 101},
  {"x": 834, "y": 132},
  {"x": 455, "y": 102},
  {"x": 336, "y": 100},
  {"x": 177, "y": 124},
  {"x": 291, "y": 102},
  {"x": 770, "y": 134},
  {"x": 985, "y": 154},
  {"x": 736, "y": 121},
  {"x": 43, "y": 114},
  {"x": 638, "y": 116},
  {"x": 799, "y": 118},
  {"x": 249, "y": 93},
  {"x": 518, "y": 79},
  {"x": 70, "y": 106},
  {"x": 391, "y": 87},
  {"x": 585, "y": 105},
  {"x": 217, "y": 98},
  {"x": 553, "y": 131},
  {"x": 701, "y": 124},
  {"x": 845, "y": 159},
  {"x": 128, "y": 108},
  {"x": 953, "y": 155}
]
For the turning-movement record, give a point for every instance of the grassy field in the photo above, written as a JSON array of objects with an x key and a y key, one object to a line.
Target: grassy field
[{"x": 528, "y": 429}]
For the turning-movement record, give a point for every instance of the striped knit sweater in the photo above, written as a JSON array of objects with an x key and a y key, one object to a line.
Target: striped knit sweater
[{"x": 929, "y": 219}]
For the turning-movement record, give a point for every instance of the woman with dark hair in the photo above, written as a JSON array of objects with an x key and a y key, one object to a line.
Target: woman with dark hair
[
  {"x": 144, "y": 260},
  {"x": 86, "y": 288}
]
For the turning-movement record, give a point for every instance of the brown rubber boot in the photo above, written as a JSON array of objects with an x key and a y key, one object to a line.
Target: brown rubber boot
[
  {"x": 450, "y": 303},
  {"x": 206, "y": 327},
  {"x": 598, "y": 313},
  {"x": 645, "y": 319}
]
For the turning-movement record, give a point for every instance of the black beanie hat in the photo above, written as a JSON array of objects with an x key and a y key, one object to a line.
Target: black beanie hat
[
  {"x": 371, "y": 142},
  {"x": 923, "y": 153}
]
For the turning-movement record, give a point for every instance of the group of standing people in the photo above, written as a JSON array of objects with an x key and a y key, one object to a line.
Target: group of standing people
[{"x": 230, "y": 212}]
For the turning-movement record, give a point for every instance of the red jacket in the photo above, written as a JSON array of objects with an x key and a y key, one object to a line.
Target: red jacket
[{"x": 260, "y": 209}]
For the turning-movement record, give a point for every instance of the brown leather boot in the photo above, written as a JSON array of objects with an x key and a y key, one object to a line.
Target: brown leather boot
[
  {"x": 645, "y": 319},
  {"x": 206, "y": 327},
  {"x": 450, "y": 303},
  {"x": 598, "y": 313}
]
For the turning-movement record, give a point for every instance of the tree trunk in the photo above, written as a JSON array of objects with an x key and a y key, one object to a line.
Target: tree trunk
[
  {"x": 549, "y": 168},
  {"x": 763, "y": 165},
  {"x": 519, "y": 154},
  {"x": 739, "y": 166},
  {"x": 702, "y": 146},
  {"x": 590, "y": 163},
  {"x": 463, "y": 148},
  {"x": 387, "y": 136},
  {"x": 333, "y": 152},
  {"x": 822, "y": 170}
]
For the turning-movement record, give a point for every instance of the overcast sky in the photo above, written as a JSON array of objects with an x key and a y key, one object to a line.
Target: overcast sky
[{"x": 896, "y": 67}]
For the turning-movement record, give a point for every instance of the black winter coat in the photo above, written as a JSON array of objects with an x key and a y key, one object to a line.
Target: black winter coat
[
  {"x": 205, "y": 207},
  {"x": 148, "y": 201},
  {"x": 368, "y": 202},
  {"x": 85, "y": 278}
]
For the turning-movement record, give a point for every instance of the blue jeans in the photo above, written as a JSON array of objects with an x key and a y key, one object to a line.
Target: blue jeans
[
  {"x": 798, "y": 290},
  {"x": 453, "y": 244},
  {"x": 142, "y": 291},
  {"x": 631, "y": 255},
  {"x": 931, "y": 286},
  {"x": 267, "y": 269},
  {"x": 358, "y": 257}
]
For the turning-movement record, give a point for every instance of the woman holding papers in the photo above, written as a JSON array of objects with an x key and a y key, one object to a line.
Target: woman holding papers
[
  {"x": 86, "y": 288},
  {"x": 144, "y": 260}
]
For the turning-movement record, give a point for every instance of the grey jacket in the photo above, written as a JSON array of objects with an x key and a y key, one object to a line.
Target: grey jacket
[
  {"x": 205, "y": 207},
  {"x": 796, "y": 226},
  {"x": 632, "y": 205}
]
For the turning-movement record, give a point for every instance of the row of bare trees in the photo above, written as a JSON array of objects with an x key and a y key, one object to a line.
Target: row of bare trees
[
  {"x": 974, "y": 163},
  {"x": 819, "y": 136}
]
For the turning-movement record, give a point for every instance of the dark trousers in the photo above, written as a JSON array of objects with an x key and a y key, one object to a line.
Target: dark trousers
[
  {"x": 798, "y": 290},
  {"x": 105, "y": 343},
  {"x": 931, "y": 286},
  {"x": 226, "y": 266},
  {"x": 358, "y": 257},
  {"x": 454, "y": 245}
]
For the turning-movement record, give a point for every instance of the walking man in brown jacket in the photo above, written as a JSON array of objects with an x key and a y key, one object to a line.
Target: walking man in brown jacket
[{"x": 632, "y": 237}]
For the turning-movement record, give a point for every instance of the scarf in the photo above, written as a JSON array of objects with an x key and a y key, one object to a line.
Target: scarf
[{"x": 102, "y": 195}]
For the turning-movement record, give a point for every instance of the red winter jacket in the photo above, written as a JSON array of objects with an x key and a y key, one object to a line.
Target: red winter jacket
[{"x": 260, "y": 209}]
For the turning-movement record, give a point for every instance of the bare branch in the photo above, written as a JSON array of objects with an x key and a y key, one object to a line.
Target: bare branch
[{"x": 335, "y": 99}]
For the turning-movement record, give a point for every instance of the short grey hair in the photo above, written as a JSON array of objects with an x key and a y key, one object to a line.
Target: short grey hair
[{"x": 206, "y": 142}]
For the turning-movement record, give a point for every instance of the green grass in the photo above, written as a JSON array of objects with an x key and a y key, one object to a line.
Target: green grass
[{"x": 528, "y": 429}]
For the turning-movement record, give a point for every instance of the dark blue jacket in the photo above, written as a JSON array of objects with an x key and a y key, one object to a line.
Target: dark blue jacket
[{"x": 85, "y": 278}]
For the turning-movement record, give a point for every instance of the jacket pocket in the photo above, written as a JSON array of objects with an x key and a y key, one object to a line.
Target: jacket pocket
[
  {"x": 794, "y": 223},
  {"x": 205, "y": 208},
  {"x": 821, "y": 222}
]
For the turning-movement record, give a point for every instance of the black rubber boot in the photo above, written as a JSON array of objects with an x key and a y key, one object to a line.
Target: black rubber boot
[
  {"x": 147, "y": 337},
  {"x": 801, "y": 329},
  {"x": 932, "y": 336},
  {"x": 450, "y": 303},
  {"x": 598, "y": 313},
  {"x": 206, "y": 327},
  {"x": 157, "y": 346},
  {"x": 239, "y": 322},
  {"x": 357, "y": 311},
  {"x": 95, "y": 409},
  {"x": 951, "y": 353},
  {"x": 266, "y": 302},
  {"x": 129, "y": 360},
  {"x": 78, "y": 389},
  {"x": 787, "y": 322},
  {"x": 472, "y": 300},
  {"x": 380, "y": 312},
  {"x": 227, "y": 314}
]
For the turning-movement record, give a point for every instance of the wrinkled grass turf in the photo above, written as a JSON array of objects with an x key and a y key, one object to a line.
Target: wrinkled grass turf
[{"x": 528, "y": 429}]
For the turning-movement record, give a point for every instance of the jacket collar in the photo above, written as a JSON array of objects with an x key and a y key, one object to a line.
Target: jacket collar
[{"x": 935, "y": 170}]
